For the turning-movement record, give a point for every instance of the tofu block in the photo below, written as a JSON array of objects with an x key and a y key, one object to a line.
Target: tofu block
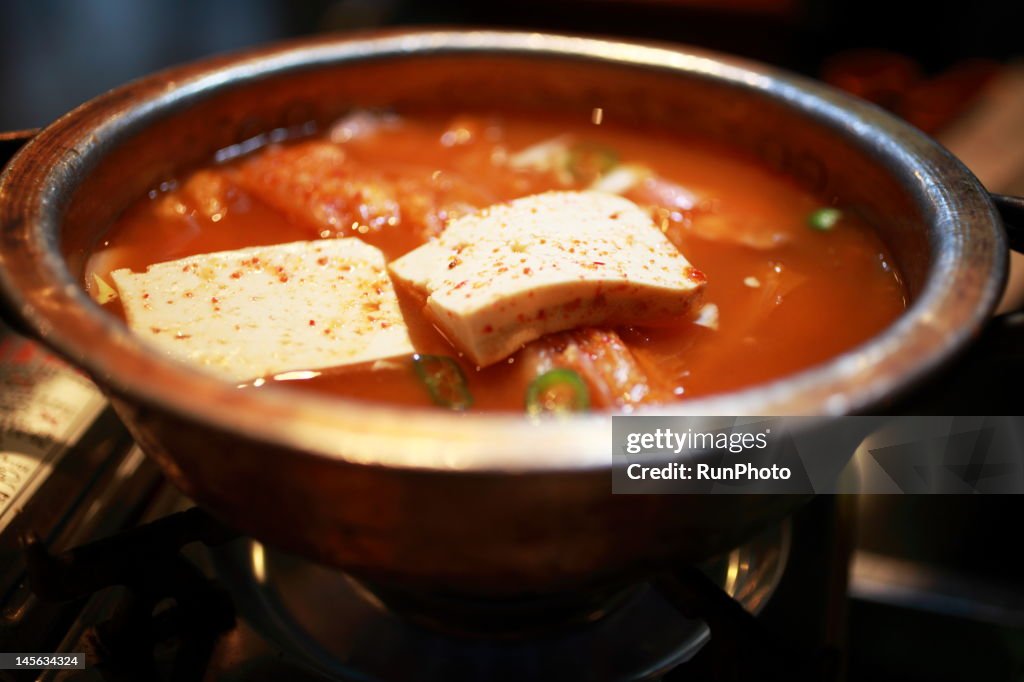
[
  {"x": 498, "y": 279},
  {"x": 266, "y": 310}
]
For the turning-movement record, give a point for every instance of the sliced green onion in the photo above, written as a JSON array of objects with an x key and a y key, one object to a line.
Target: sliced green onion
[
  {"x": 824, "y": 219},
  {"x": 588, "y": 160},
  {"x": 444, "y": 380},
  {"x": 557, "y": 391}
]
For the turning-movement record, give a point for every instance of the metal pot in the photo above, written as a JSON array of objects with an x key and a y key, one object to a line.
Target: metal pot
[{"x": 481, "y": 504}]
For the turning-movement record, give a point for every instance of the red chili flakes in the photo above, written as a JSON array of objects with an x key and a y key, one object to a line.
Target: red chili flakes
[
  {"x": 312, "y": 323},
  {"x": 145, "y": 295},
  {"x": 282, "y": 279},
  {"x": 527, "y": 271},
  {"x": 462, "y": 284},
  {"x": 237, "y": 274},
  {"x": 488, "y": 329},
  {"x": 321, "y": 261},
  {"x": 542, "y": 314},
  {"x": 695, "y": 275},
  {"x": 453, "y": 263},
  {"x": 599, "y": 262}
]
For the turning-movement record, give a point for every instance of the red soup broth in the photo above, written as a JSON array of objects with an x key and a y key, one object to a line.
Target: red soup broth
[{"x": 788, "y": 293}]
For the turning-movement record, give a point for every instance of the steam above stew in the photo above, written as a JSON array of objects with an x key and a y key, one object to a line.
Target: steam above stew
[{"x": 777, "y": 280}]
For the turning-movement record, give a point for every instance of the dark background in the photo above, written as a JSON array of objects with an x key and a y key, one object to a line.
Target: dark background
[{"x": 55, "y": 54}]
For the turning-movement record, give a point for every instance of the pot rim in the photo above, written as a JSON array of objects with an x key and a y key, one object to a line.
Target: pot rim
[{"x": 33, "y": 276}]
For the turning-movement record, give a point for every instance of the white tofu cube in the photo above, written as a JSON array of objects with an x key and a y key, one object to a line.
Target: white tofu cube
[
  {"x": 266, "y": 310},
  {"x": 498, "y": 279}
]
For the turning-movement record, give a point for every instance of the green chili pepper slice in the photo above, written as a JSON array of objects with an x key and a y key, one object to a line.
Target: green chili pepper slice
[
  {"x": 557, "y": 391},
  {"x": 589, "y": 160},
  {"x": 824, "y": 219},
  {"x": 444, "y": 381}
]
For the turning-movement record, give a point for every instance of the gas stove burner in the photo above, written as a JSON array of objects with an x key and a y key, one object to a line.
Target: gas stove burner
[{"x": 345, "y": 629}]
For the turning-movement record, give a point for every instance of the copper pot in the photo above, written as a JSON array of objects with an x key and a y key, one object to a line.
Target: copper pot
[{"x": 479, "y": 504}]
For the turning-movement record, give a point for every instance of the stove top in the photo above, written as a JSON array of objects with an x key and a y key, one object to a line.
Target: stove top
[{"x": 228, "y": 608}]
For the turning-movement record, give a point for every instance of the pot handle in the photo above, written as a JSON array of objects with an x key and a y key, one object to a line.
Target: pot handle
[
  {"x": 1011, "y": 209},
  {"x": 10, "y": 143}
]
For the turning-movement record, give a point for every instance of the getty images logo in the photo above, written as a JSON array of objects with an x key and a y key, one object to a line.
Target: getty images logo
[{"x": 669, "y": 440}]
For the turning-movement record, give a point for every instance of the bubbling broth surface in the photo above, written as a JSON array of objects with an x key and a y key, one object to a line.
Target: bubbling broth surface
[{"x": 789, "y": 294}]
